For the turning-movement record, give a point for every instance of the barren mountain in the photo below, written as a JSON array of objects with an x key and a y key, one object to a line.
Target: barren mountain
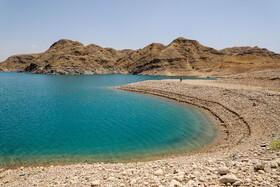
[{"x": 180, "y": 57}]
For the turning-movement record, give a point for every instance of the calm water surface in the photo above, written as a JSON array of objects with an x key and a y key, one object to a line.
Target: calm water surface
[{"x": 79, "y": 118}]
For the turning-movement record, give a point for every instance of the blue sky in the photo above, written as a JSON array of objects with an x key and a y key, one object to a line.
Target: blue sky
[{"x": 31, "y": 26}]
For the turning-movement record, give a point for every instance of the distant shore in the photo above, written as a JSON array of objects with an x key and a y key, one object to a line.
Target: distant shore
[{"x": 247, "y": 108}]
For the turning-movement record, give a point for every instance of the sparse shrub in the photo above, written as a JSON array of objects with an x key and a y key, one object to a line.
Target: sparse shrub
[{"x": 275, "y": 145}]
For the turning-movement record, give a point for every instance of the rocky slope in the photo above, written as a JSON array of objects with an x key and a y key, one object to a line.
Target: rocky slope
[{"x": 180, "y": 57}]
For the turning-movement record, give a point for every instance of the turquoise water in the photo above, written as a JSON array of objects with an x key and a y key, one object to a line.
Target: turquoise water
[{"x": 79, "y": 118}]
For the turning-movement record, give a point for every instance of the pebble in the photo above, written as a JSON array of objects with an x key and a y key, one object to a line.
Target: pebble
[
  {"x": 259, "y": 178},
  {"x": 273, "y": 164},
  {"x": 259, "y": 166},
  {"x": 278, "y": 161},
  {"x": 237, "y": 183},
  {"x": 247, "y": 181},
  {"x": 95, "y": 183},
  {"x": 174, "y": 183},
  {"x": 261, "y": 171}
]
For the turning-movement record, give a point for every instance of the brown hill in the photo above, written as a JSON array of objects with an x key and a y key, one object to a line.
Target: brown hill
[{"x": 180, "y": 57}]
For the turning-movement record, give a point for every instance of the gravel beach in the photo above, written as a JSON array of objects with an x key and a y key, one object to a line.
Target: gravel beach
[{"x": 246, "y": 109}]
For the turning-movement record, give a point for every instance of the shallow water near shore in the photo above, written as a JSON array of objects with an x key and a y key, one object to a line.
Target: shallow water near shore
[{"x": 79, "y": 118}]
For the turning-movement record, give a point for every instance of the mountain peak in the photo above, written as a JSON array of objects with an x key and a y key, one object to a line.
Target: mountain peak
[
  {"x": 65, "y": 42},
  {"x": 182, "y": 40}
]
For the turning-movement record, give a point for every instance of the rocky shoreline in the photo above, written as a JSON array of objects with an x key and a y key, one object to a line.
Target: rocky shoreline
[{"x": 248, "y": 113}]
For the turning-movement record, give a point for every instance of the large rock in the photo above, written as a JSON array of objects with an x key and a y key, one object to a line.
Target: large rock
[
  {"x": 223, "y": 170},
  {"x": 229, "y": 178}
]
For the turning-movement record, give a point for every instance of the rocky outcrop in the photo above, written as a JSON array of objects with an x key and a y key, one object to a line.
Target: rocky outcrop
[{"x": 181, "y": 57}]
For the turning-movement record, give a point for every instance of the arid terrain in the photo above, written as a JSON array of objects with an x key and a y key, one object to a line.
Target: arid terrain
[
  {"x": 246, "y": 109},
  {"x": 181, "y": 57}
]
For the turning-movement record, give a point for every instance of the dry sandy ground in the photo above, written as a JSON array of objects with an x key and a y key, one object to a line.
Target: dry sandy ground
[{"x": 247, "y": 110}]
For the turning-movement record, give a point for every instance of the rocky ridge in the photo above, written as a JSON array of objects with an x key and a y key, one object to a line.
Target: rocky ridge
[{"x": 181, "y": 57}]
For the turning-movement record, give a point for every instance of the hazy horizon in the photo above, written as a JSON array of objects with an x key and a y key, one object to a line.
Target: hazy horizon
[{"x": 32, "y": 26}]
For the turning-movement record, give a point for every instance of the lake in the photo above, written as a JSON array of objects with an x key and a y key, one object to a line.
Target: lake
[{"x": 48, "y": 119}]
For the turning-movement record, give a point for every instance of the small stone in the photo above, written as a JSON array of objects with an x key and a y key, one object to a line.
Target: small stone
[
  {"x": 95, "y": 183},
  {"x": 261, "y": 171},
  {"x": 247, "y": 181},
  {"x": 259, "y": 178},
  {"x": 111, "y": 179},
  {"x": 237, "y": 183},
  {"x": 259, "y": 166},
  {"x": 181, "y": 173},
  {"x": 190, "y": 183},
  {"x": 192, "y": 176},
  {"x": 223, "y": 170},
  {"x": 278, "y": 161},
  {"x": 159, "y": 172},
  {"x": 201, "y": 179},
  {"x": 229, "y": 178},
  {"x": 133, "y": 181},
  {"x": 273, "y": 164},
  {"x": 174, "y": 183}
]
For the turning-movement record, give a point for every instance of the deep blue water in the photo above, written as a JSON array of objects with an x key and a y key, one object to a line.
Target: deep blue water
[{"x": 78, "y": 118}]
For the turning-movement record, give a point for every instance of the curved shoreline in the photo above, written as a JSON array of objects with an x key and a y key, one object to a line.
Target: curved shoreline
[
  {"x": 250, "y": 113},
  {"x": 203, "y": 104}
]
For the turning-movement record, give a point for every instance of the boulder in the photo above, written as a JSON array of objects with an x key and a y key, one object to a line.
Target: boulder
[
  {"x": 223, "y": 170},
  {"x": 229, "y": 178}
]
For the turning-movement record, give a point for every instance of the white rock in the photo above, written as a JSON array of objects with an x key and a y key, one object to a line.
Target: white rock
[
  {"x": 190, "y": 183},
  {"x": 192, "y": 176},
  {"x": 181, "y": 173},
  {"x": 229, "y": 178},
  {"x": 261, "y": 171},
  {"x": 95, "y": 183},
  {"x": 247, "y": 181},
  {"x": 159, "y": 172},
  {"x": 223, "y": 170},
  {"x": 201, "y": 179},
  {"x": 237, "y": 183},
  {"x": 111, "y": 179},
  {"x": 174, "y": 183},
  {"x": 273, "y": 164},
  {"x": 259, "y": 178},
  {"x": 278, "y": 161}
]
